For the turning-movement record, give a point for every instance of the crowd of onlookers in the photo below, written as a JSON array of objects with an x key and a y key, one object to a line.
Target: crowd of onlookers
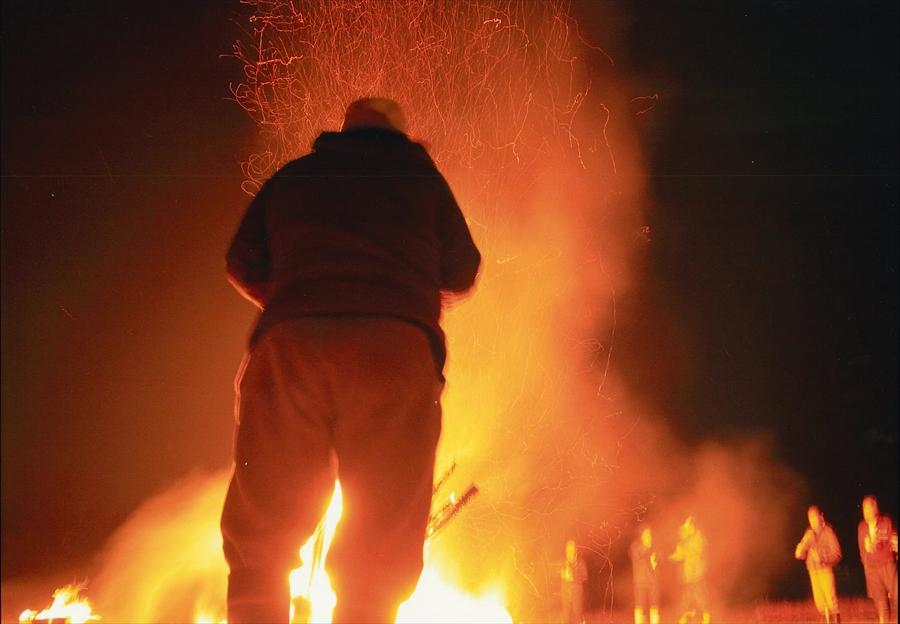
[{"x": 819, "y": 548}]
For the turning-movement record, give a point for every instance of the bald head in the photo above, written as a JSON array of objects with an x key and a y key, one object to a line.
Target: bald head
[
  {"x": 375, "y": 113},
  {"x": 870, "y": 508},
  {"x": 816, "y": 518}
]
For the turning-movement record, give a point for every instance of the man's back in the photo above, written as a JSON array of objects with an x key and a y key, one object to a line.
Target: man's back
[
  {"x": 364, "y": 225},
  {"x": 347, "y": 251}
]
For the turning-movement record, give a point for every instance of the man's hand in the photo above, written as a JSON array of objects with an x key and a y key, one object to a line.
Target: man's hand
[{"x": 868, "y": 545}]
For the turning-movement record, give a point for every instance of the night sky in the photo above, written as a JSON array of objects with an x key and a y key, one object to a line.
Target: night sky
[
  {"x": 774, "y": 223},
  {"x": 769, "y": 303}
]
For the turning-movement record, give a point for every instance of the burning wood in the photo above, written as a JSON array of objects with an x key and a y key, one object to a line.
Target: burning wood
[
  {"x": 445, "y": 514},
  {"x": 67, "y": 608}
]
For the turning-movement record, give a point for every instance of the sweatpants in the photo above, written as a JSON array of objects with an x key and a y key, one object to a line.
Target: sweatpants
[{"x": 352, "y": 398}]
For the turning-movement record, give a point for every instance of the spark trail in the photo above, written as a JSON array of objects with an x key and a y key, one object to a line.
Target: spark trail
[{"x": 501, "y": 94}]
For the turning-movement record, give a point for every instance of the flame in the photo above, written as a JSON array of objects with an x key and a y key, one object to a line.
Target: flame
[
  {"x": 67, "y": 606},
  {"x": 309, "y": 581},
  {"x": 434, "y": 600},
  {"x": 535, "y": 409}
]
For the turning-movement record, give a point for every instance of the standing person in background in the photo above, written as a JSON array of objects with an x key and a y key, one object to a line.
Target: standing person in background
[
  {"x": 877, "y": 539},
  {"x": 348, "y": 251},
  {"x": 821, "y": 551},
  {"x": 690, "y": 552},
  {"x": 644, "y": 564},
  {"x": 573, "y": 575}
]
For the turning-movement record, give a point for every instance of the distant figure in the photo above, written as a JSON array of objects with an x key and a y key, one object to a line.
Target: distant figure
[
  {"x": 574, "y": 574},
  {"x": 821, "y": 551},
  {"x": 877, "y": 539},
  {"x": 347, "y": 251},
  {"x": 644, "y": 564},
  {"x": 691, "y": 553}
]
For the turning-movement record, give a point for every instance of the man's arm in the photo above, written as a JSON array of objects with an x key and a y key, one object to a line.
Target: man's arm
[
  {"x": 893, "y": 535},
  {"x": 460, "y": 257},
  {"x": 247, "y": 260},
  {"x": 803, "y": 547},
  {"x": 862, "y": 534},
  {"x": 832, "y": 547}
]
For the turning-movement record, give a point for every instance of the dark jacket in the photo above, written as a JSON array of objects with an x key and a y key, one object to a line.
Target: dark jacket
[
  {"x": 364, "y": 225},
  {"x": 880, "y": 550}
]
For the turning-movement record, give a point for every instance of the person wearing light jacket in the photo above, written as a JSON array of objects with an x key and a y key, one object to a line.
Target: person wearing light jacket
[{"x": 821, "y": 550}]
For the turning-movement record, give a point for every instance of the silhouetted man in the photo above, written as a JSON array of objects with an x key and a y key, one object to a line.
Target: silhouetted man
[
  {"x": 691, "y": 553},
  {"x": 877, "y": 540},
  {"x": 346, "y": 251},
  {"x": 573, "y": 575},
  {"x": 644, "y": 564}
]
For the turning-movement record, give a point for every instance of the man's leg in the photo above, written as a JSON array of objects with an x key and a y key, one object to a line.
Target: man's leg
[
  {"x": 892, "y": 583},
  {"x": 640, "y": 599},
  {"x": 815, "y": 582},
  {"x": 386, "y": 431},
  {"x": 881, "y": 605},
  {"x": 653, "y": 601},
  {"x": 282, "y": 476},
  {"x": 829, "y": 596},
  {"x": 578, "y": 602}
]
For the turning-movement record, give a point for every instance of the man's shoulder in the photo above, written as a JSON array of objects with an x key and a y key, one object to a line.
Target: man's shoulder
[{"x": 394, "y": 147}]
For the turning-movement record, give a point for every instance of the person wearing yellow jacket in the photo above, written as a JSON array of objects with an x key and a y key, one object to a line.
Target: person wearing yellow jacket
[{"x": 821, "y": 551}]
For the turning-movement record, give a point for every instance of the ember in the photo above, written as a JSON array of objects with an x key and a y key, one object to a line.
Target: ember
[{"x": 498, "y": 90}]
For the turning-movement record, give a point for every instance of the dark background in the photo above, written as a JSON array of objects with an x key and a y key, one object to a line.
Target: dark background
[
  {"x": 773, "y": 262},
  {"x": 771, "y": 266}
]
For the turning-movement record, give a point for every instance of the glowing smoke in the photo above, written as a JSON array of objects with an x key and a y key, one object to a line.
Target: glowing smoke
[
  {"x": 165, "y": 563},
  {"x": 501, "y": 93},
  {"x": 547, "y": 170}
]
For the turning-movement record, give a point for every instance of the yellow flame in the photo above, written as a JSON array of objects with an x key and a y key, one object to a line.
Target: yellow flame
[
  {"x": 309, "y": 581},
  {"x": 67, "y": 606},
  {"x": 434, "y": 601}
]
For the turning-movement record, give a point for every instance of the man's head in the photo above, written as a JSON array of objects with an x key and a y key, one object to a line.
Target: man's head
[
  {"x": 570, "y": 550},
  {"x": 687, "y": 528},
  {"x": 375, "y": 113},
  {"x": 869, "y": 508},
  {"x": 816, "y": 518}
]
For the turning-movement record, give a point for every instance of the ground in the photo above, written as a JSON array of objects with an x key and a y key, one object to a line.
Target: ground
[{"x": 853, "y": 611}]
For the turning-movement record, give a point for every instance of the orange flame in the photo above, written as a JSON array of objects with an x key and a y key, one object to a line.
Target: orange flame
[
  {"x": 434, "y": 599},
  {"x": 310, "y": 581},
  {"x": 67, "y": 606}
]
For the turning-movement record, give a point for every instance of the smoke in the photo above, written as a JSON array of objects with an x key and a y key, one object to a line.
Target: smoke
[
  {"x": 165, "y": 563},
  {"x": 549, "y": 176},
  {"x": 548, "y": 170},
  {"x": 743, "y": 500}
]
